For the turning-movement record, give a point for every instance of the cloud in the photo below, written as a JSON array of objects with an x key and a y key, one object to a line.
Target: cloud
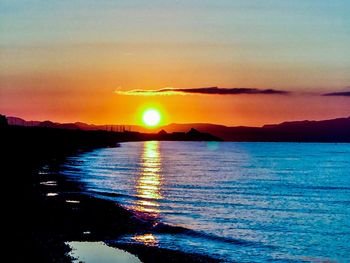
[
  {"x": 205, "y": 91},
  {"x": 340, "y": 93}
]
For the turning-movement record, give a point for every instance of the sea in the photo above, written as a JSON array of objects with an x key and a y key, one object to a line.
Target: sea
[{"x": 236, "y": 202}]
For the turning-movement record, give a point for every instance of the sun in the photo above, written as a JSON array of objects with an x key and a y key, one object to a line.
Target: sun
[{"x": 151, "y": 117}]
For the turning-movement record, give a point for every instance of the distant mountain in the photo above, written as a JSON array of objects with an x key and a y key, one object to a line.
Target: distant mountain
[
  {"x": 72, "y": 126},
  {"x": 21, "y": 122},
  {"x": 335, "y": 130}
]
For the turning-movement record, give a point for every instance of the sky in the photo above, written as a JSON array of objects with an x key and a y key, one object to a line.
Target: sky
[{"x": 244, "y": 62}]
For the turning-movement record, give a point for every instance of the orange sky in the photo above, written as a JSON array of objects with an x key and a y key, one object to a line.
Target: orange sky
[{"x": 64, "y": 61}]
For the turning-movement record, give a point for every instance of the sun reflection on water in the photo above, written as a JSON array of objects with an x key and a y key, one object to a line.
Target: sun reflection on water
[
  {"x": 147, "y": 239},
  {"x": 149, "y": 182}
]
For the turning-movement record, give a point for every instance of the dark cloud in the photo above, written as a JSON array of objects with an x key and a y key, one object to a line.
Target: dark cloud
[
  {"x": 341, "y": 93},
  {"x": 206, "y": 90}
]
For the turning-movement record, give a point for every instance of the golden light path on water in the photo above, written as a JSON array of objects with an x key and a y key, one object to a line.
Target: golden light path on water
[
  {"x": 147, "y": 239},
  {"x": 148, "y": 187}
]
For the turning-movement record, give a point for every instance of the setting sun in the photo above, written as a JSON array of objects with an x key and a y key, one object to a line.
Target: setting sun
[{"x": 151, "y": 117}]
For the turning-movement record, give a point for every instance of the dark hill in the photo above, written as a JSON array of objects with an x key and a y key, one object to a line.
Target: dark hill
[{"x": 335, "y": 130}]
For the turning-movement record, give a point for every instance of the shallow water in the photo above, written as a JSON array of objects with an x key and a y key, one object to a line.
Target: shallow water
[
  {"x": 246, "y": 202},
  {"x": 97, "y": 252}
]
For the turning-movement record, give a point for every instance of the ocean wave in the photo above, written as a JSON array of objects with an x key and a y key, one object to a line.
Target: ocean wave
[{"x": 164, "y": 228}]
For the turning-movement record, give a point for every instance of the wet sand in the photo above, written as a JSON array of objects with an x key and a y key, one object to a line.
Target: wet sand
[{"x": 46, "y": 209}]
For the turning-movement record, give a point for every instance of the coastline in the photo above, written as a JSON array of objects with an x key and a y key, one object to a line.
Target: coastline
[{"x": 50, "y": 209}]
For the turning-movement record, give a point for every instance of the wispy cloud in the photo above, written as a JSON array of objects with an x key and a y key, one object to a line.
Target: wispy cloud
[
  {"x": 204, "y": 91},
  {"x": 340, "y": 93}
]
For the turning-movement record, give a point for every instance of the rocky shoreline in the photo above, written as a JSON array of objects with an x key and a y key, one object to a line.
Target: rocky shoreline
[{"x": 50, "y": 209}]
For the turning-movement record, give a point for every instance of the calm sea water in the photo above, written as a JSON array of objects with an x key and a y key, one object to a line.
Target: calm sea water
[{"x": 246, "y": 202}]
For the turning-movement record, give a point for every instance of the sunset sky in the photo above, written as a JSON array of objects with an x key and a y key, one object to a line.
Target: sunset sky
[{"x": 106, "y": 61}]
